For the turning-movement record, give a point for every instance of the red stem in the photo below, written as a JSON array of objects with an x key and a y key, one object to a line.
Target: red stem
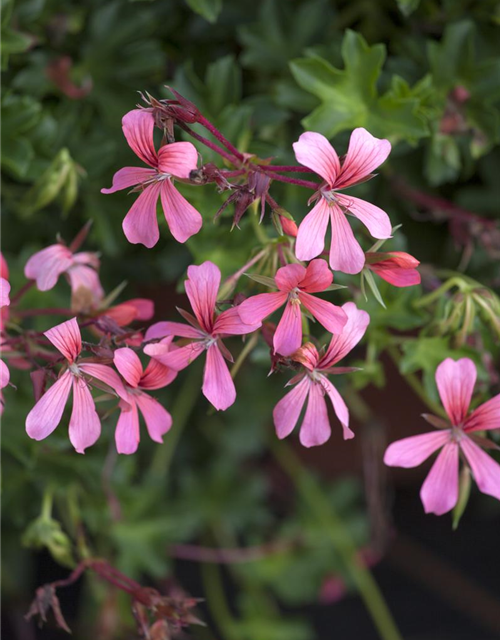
[
  {"x": 26, "y": 313},
  {"x": 285, "y": 167},
  {"x": 24, "y": 289},
  {"x": 217, "y": 134},
  {"x": 301, "y": 183},
  {"x": 211, "y": 145},
  {"x": 229, "y": 556}
]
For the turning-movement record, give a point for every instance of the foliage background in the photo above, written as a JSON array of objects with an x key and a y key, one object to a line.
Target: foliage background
[{"x": 261, "y": 71}]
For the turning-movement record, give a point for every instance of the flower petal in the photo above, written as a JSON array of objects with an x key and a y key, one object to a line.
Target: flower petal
[
  {"x": 339, "y": 406},
  {"x": 455, "y": 381},
  {"x": 485, "y": 470},
  {"x": 4, "y": 293},
  {"x": 177, "y": 159},
  {"x": 346, "y": 255},
  {"x": 182, "y": 218},
  {"x": 288, "y": 335},
  {"x": 138, "y": 126},
  {"x": 229, "y": 322},
  {"x": 411, "y": 452},
  {"x": 144, "y": 308},
  {"x": 4, "y": 374},
  {"x": 332, "y": 317},
  {"x": 162, "y": 329},
  {"x": 253, "y": 310},
  {"x": 315, "y": 152},
  {"x": 127, "y": 428},
  {"x": 341, "y": 344},
  {"x": 396, "y": 276},
  {"x": 486, "y": 416},
  {"x": 140, "y": 225},
  {"x": 66, "y": 338},
  {"x": 364, "y": 155},
  {"x": 375, "y": 219},
  {"x": 289, "y": 277},
  {"x": 158, "y": 419},
  {"x": 84, "y": 424},
  {"x": 47, "y": 412},
  {"x": 287, "y": 412},
  {"x": 318, "y": 277},
  {"x": 130, "y": 177},
  {"x": 107, "y": 375},
  {"x": 202, "y": 287},
  {"x": 312, "y": 230},
  {"x": 157, "y": 375},
  {"x": 176, "y": 359},
  {"x": 128, "y": 364},
  {"x": 439, "y": 492},
  {"x": 218, "y": 386},
  {"x": 84, "y": 277},
  {"x": 46, "y": 266},
  {"x": 315, "y": 429}
]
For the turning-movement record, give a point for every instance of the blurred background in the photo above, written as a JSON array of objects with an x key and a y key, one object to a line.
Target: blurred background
[{"x": 426, "y": 75}]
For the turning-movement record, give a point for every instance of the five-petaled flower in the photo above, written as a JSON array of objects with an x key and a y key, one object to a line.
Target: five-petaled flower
[
  {"x": 296, "y": 284},
  {"x": 84, "y": 425},
  {"x": 455, "y": 381},
  {"x": 175, "y": 160},
  {"x": 206, "y": 332},
  {"x": 395, "y": 267},
  {"x": 365, "y": 153},
  {"x": 312, "y": 384},
  {"x": 155, "y": 376}
]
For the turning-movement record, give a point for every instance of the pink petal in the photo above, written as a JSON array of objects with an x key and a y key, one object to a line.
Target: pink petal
[
  {"x": 84, "y": 425},
  {"x": 182, "y": 218},
  {"x": 312, "y": 230},
  {"x": 375, "y": 219},
  {"x": 230, "y": 323},
  {"x": 315, "y": 152},
  {"x": 83, "y": 277},
  {"x": 89, "y": 258},
  {"x": 318, "y": 277},
  {"x": 396, "y": 276},
  {"x": 177, "y": 359},
  {"x": 455, "y": 382},
  {"x": 486, "y": 416},
  {"x": 138, "y": 126},
  {"x": 47, "y": 412},
  {"x": 130, "y": 177},
  {"x": 346, "y": 255},
  {"x": 105, "y": 374},
  {"x": 288, "y": 335},
  {"x": 4, "y": 267},
  {"x": 439, "y": 492},
  {"x": 410, "y": 452},
  {"x": 289, "y": 277},
  {"x": 66, "y": 338},
  {"x": 339, "y": 406},
  {"x": 144, "y": 308},
  {"x": 340, "y": 345},
  {"x": 253, "y": 310},
  {"x": 161, "y": 329},
  {"x": 157, "y": 375},
  {"x": 287, "y": 412},
  {"x": 364, "y": 155},
  {"x": 128, "y": 364},
  {"x": 485, "y": 470},
  {"x": 177, "y": 159},
  {"x": 333, "y": 318},
  {"x": 202, "y": 287},
  {"x": 4, "y": 374},
  {"x": 218, "y": 386},
  {"x": 4, "y": 293},
  {"x": 47, "y": 265},
  {"x": 140, "y": 225},
  {"x": 315, "y": 429},
  {"x": 127, "y": 429},
  {"x": 158, "y": 419}
]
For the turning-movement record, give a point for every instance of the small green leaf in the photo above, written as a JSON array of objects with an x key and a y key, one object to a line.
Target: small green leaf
[
  {"x": 373, "y": 286},
  {"x": 407, "y": 7},
  {"x": 208, "y": 9},
  {"x": 463, "y": 496}
]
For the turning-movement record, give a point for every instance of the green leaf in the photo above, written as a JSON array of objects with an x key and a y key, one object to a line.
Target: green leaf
[
  {"x": 463, "y": 496},
  {"x": 407, "y": 7},
  {"x": 208, "y": 9}
]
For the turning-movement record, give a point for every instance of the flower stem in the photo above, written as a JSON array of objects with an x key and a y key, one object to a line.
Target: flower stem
[
  {"x": 208, "y": 143},
  {"x": 282, "y": 167},
  {"x": 217, "y": 134},
  {"x": 335, "y": 529},
  {"x": 301, "y": 183}
]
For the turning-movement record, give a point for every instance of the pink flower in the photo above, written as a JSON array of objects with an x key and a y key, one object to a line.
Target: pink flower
[
  {"x": 47, "y": 265},
  {"x": 206, "y": 332},
  {"x": 158, "y": 420},
  {"x": 395, "y": 267},
  {"x": 455, "y": 381},
  {"x": 312, "y": 385},
  {"x": 4, "y": 283},
  {"x": 177, "y": 160},
  {"x": 365, "y": 154},
  {"x": 84, "y": 425},
  {"x": 295, "y": 284}
]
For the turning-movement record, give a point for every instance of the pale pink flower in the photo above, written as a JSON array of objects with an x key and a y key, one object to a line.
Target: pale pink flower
[
  {"x": 158, "y": 420},
  {"x": 175, "y": 160},
  {"x": 80, "y": 269},
  {"x": 312, "y": 384},
  {"x": 295, "y": 285},
  {"x": 395, "y": 267},
  {"x": 206, "y": 332},
  {"x": 84, "y": 425},
  {"x": 365, "y": 153},
  {"x": 455, "y": 381},
  {"x": 4, "y": 283},
  {"x": 4, "y": 381}
]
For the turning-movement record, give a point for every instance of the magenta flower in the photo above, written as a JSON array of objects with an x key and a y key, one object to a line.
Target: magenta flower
[
  {"x": 206, "y": 333},
  {"x": 175, "y": 160},
  {"x": 84, "y": 425},
  {"x": 158, "y": 420},
  {"x": 455, "y": 381},
  {"x": 395, "y": 267},
  {"x": 47, "y": 265},
  {"x": 312, "y": 385},
  {"x": 295, "y": 284},
  {"x": 365, "y": 153},
  {"x": 4, "y": 283}
]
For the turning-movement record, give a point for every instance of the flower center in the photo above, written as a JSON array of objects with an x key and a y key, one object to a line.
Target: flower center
[{"x": 293, "y": 296}]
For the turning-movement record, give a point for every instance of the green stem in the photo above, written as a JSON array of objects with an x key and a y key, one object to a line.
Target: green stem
[
  {"x": 216, "y": 601},
  {"x": 47, "y": 502},
  {"x": 250, "y": 344},
  {"x": 311, "y": 492}
]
